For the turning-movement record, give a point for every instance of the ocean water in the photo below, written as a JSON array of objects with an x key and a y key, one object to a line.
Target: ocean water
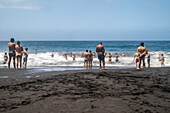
[{"x": 40, "y": 52}]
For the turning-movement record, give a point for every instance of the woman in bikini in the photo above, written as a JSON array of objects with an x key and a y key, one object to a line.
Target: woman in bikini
[
  {"x": 19, "y": 50},
  {"x": 90, "y": 59}
]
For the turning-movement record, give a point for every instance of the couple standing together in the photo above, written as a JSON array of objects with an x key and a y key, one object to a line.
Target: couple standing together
[{"x": 16, "y": 51}]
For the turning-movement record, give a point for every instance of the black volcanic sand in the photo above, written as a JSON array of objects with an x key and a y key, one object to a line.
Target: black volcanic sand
[{"x": 91, "y": 91}]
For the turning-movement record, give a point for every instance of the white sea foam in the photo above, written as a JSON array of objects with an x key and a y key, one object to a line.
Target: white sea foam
[{"x": 45, "y": 59}]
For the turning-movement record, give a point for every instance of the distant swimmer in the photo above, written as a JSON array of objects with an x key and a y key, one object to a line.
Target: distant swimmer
[
  {"x": 11, "y": 47},
  {"x": 5, "y": 58},
  {"x": 65, "y": 56},
  {"x": 142, "y": 51},
  {"x": 82, "y": 55},
  {"x": 162, "y": 60},
  {"x": 86, "y": 59},
  {"x": 123, "y": 55},
  {"x": 116, "y": 56},
  {"x": 52, "y": 55},
  {"x": 90, "y": 59},
  {"x": 110, "y": 57},
  {"x": 19, "y": 50},
  {"x": 25, "y": 57},
  {"x": 136, "y": 56},
  {"x": 101, "y": 54},
  {"x": 74, "y": 57},
  {"x": 148, "y": 59},
  {"x": 71, "y": 54}
]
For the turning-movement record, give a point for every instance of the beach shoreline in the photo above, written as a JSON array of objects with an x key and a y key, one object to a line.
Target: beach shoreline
[{"x": 95, "y": 91}]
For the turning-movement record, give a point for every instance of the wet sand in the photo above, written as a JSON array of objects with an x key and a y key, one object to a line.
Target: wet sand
[{"x": 91, "y": 91}]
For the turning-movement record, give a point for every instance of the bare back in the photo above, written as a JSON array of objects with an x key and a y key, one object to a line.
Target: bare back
[
  {"x": 11, "y": 46},
  {"x": 100, "y": 49},
  {"x": 18, "y": 48},
  {"x": 141, "y": 50},
  {"x": 86, "y": 54}
]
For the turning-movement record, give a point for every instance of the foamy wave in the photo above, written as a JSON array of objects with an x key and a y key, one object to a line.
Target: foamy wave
[{"x": 45, "y": 59}]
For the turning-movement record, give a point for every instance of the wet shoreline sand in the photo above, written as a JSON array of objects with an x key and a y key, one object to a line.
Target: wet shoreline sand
[{"x": 91, "y": 91}]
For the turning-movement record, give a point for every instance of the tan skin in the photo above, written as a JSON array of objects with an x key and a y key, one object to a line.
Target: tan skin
[
  {"x": 101, "y": 47},
  {"x": 5, "y": 57},
  {"x": 19, "y": 50},
  {"x": 11, "y": 47},
  {"x": 136, "y": 56},
  {"x": 123, "y": 55},
  {"x": 74, "y": 57},
  {"x": 25, "y": 54},
  {"x": 65, "y": 56},
  {"x": 90, "y": 60},
  {"x": 142, "y": 51},
  {"x": 110, "y": 57},
  {"x": 116, "y": 56},
  {"x": 86, "y": 55},
  {"x": 148, "y": 57},
  {"x": 162, "y": 61}
]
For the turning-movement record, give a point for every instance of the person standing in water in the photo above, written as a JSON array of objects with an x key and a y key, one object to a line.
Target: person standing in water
[
  {"x": 110, "y": 58},
  {"x": 86, "y": 59},
  {"x": 116, "y": 56},
  {"x": 136, "y": 57},
  {"x": 74, "y": 57},
  {"x": 19, "y": 50},
  {"x": 148, "y": 59},
  {"x": 11, "y": 47},
  {"x": 142, "y": 51},
  {"x": 5, "y": 58},
  {"x": 162, "y": 60},
  {"x": 101, "y": 54},
  {"x": 90, "y": 59},
  {"x": 25, "y": 57},
  {"x": 65, "y": 56}
]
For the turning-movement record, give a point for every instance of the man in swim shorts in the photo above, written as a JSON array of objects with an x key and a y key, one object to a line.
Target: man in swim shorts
[
  {"x": 142, "y": 51},
  {"x": 25, "y": 57},
  {"x": 101, "y": 54},
  {"x": 86, "y": 59},
  {"x": 116, "y": 56},
  {"x": 162, "y": 60},
  {"x": 11, "y": 52}
]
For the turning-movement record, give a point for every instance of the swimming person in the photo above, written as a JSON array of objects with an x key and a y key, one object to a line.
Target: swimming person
[
  {"x": 5, "y": 58},
  {"x": 52, "y": 55},
  {"x": 25, "y": 57},
  {"x": 74, "y": 57},
  {"x": 101, "y": 54},
  {"x": 123, "y": 55},
  {"x": 136, "y": 56},
  {"x": 162, "y": 60},
  {"x": 19, "y": 50},
  {"x": 116, "y": 56},
  {"x": 110, "y": 57},
  {"x": 65, "y": 56},
  {"x": 90, "y": 59},
  {"x": 148, "y": 59},
  {"x": 11, "y": 47},
  {"x": 142, "y": 51}
]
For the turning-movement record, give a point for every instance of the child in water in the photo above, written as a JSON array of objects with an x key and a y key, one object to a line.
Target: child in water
[
  {"x": 5, "y": 58},
  {"x": 25, "y": 56}
]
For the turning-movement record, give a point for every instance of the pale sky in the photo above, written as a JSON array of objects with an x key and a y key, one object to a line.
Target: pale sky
[{"x": 85, "y": 19}]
